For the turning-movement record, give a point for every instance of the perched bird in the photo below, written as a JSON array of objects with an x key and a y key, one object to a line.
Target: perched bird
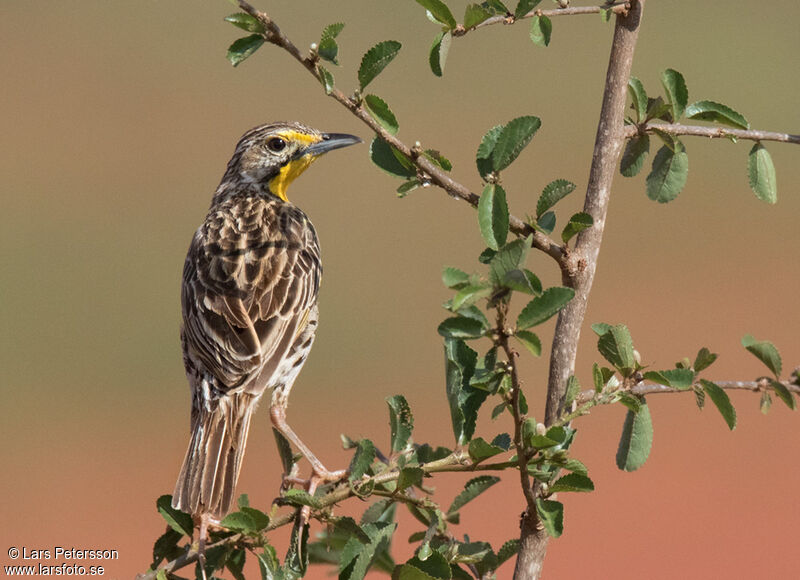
[{"x": 249, "y": 299}]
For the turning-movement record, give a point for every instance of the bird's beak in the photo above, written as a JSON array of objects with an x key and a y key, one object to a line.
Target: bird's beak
[{"x": 329, "y": 142}]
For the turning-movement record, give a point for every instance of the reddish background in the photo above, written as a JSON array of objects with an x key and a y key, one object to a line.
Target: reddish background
[{"x": 118, "y": 121}]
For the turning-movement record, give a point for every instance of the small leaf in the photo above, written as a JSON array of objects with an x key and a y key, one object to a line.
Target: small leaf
[
  {"x": 509, "y": 257},
  {"x": 483, "y": 158},
  {"x": 375, "y": 60},
  {"x": 546, "y": 223},
  {"x": 669, "y": 174},
  {"x": 761, "y": 173},
  {"x": 244, "y": 47},
  {"x": 678, "y": 379},
  {"x": 474, "y": 15},
  {"x": 382, "y": 113},
  {"x": 577, "y": 223},
  {"x": 239, "y": 522},
  {"x": 524, "y": 7},
  {"x": 638, "y": 97},
  {"x": 408, "y": 187},
  {"x": 350, "y": 527},
  {"x": 766, "y": 352},
  {"x": 658, "y": 109},
  {"x": 551, "y": 514},
  {"x": 514, "y": 137},
  {"x": 179, "y": 521},
  {"x": 461, "y": 327},
  {"x": 553, "y": 192},
  {"x": 783, "y": 394},
  {"x": 493, "y": 216},
  {"x": 541, "y": 29},
  {"x": 464, "y": 400},
  {"x": 439, "y": 11},
  {"x": 259, "y": 518},
  {"x": 472, "y": 489},
  {"x": 721, "y": 400},
  {"x": 328, "y": 48},
  {"x": 245, "y": 22},
  {"x": 401, "y": 422},
  {"x": 677, "y": 93},
  {"x": 438, "y": 159},
  {"x": 766, "y": 402},
  {"x": 362, "y": 460},
  {"x": 383, "y": 155},
  {"x": 616, "y": 346},
  {"x": 573, "y": 389},
  {"x": 507, "y": 551},
  {"x": 479, "y": 449},
  {"x": 545, "y": 306},
  {"x": 716, "y": 113},
  {"x": 469, "y": 295},
  {"x": 704, "y": 359},
  {"x": 572, "y": 482},
  {"x": 439, "y": 51},
  {"x": 454, "y": 278},
  {"x": 409, "y": 476},
  {"x": 636, "y": 440},
  {"x": 530, "y": 341},
  {"x": 326, "y": 78},
  {"x": 523, "y": 281},
  {"x": 636, "y": 150}
]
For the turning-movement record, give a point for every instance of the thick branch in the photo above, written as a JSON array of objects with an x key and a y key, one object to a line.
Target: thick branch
[
  {"x": 616, "y": 8},
  {"x": 607, "y": 149},
  {"x": 432, "y": 172},
  {"x": 711, "y": 132}
]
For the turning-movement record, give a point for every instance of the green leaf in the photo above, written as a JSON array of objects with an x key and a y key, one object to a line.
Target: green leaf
[
  {"x": 474, "y": 15},
  {"x": 438, "y": 159},
  {"x": 507, "y": 551},
  {"x": 509, "y": 257},
  {"x": 259, "y": 518},
  {"x": 357, "y": 557},
  {"x": 284, "y": 451},
  {"x": 541, "y": 29},
  {"x": 573, "y": 389},
  {"x": 704, "y": 359},
  {"x": 461, "y": 327},
  {"x": 551, "y": 514},
  {"x": 439, "y": 11},
  {"x": 530, "y": 341},
  {"x": 658, "y": 109},
  {"x": 408, "y": 187},
  {"x": 454, "y": 278},
  {"x": 408, "y": 477},
  {"x": 401, "y": 422},
  {"x": 638, "y": 98},
  {"x": 524, "y": 7},
  {"x": 464, "y": 400},
  {"x": 766, "y": 402},
  {"x": 300, "y": 497},
  {"x": 242, "y": 48},
  {"x": 616, "y": 346},
  {"x": 387, "y": 158},
  {"x": 375, "y": 60},
  {"x": 669, "y": 173},
  {"x": 328, "y": 48},
  {"x": 434, "y": 567},
  {"x": 493, "y": 216},
  {"x": 514, "y": 137},
  {"x": 636, "y": 150},
  {"x": 545, "y": 306},
  {"x": 716, "y": 113},
  {"x": 479, "y": 449},
  {"x": 761, "y": 173},
  {"x": 679, "y": 379},
  {"x": 764, "y": 351},
  {"x": 721, "y": 400},
  {"x": 677, "y": 93},
  {"x": 605, "y": 14},
  {"x": 552, "y": 193},
  {"x": 239, "y": 522},
  {"x": 483, "y": 158},
  {"x": 472, "y": 489},
  {"x": 166, "y": 546},
  {"x": 546, "y": 223},
  {"x": 245, "y": 22},
  {"x": 362, "y": 459},
  {"x": 577, "y": 223},
  {"x": 784, "y": 394},
  {"x": 636, "y": 440},
  {"x": 469, "y": 294},
  {"x": 179, "y": 521},
  {"x": 326, "y": 78},
  {"x": 523, "y": 281},
  {"x": 382, "y": 113},
  {"x": 350, "y": 528},
  {"x": 269, "y": 565},
  {"x": 437, "y": 57},
  {"x": 572, "y": 482}
]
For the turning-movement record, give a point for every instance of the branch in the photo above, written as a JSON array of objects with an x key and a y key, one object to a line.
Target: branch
[
  {"x": 616, "y": 8},
  {"x": 607, "y": 149},
  {"x": 433, "y": 173},
  {"x": 711, "y": 132}
]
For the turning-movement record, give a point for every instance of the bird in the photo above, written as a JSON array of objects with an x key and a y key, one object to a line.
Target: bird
[{"x": 249, "y": 304}]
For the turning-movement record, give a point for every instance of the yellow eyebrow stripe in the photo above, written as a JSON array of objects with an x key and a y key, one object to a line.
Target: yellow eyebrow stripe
[{"x": 303, "y": 138}]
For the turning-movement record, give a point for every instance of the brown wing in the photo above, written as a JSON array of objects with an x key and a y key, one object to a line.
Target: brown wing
[{"x": 250, "y": 279}]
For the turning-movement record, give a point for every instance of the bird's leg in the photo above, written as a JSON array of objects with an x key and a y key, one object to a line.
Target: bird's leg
[
  {"x": 319, "y": 473},
  {"x": 205, "y": 519}
]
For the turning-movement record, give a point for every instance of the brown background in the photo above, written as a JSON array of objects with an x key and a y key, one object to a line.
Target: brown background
[{"x": 118, "y": 119}]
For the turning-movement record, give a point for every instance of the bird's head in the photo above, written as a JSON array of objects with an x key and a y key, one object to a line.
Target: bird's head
[{"x": 272, "y": 156}]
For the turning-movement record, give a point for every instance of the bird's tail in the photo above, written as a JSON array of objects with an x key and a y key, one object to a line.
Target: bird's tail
[{"x": 207, "y": 482}]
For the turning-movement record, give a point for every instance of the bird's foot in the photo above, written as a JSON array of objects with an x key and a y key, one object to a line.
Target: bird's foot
[{"x": 319, "y": 476}]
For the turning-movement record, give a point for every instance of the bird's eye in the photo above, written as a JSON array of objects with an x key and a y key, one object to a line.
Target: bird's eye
[{"x": 276, "y": 144}]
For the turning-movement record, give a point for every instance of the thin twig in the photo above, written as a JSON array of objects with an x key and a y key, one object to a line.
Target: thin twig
[
  {"x": 711, "y": 132},
  {"x": 616, "y": 8}
]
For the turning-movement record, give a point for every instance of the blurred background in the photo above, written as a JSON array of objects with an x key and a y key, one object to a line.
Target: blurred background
[{"x": 117, "y": 122}]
